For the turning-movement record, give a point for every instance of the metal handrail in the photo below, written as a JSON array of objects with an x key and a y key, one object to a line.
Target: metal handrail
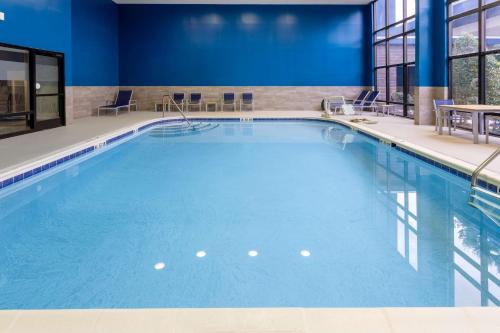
[
  {"x": 170, "y": 99},
  {"x": 475, "y": 174}
]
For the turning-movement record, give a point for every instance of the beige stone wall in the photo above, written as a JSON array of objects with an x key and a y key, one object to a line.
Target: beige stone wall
[
  {"x": 83, "y": 101},
  {"x": 266, "y": 98},
  {"x": 69, "y": 105},
  {"x": 424, "y": 108}
]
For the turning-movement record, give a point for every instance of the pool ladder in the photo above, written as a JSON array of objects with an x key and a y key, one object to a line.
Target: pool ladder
[
  {"x": 486, "y": 201},
  {"x": 171, "y": 100}
]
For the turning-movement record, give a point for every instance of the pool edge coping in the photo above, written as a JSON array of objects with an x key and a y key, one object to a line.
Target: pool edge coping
[
  {"x": 286, "y": 320},
  {"x": 25, "y": 170}
]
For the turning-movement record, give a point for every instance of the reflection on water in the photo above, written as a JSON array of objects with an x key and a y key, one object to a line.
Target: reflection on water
[
  {"x": 476, "y": 264},
  {"x": 474, "y": 278}
]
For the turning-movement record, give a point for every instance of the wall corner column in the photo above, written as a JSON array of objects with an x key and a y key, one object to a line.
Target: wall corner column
[{"x": 431, "y": 58}]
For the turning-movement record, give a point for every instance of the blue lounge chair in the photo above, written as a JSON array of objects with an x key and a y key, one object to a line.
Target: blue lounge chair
[
  {"x": 123, "y": 100},
  {"x": 246, "y": 100},
  {"x": 178, "y": 100},
  {"x": 228, "y": 98},
  {"x": 194, "y": 100},
  {"x": 361, "y": 98},
  {"x": 370, "y": 102}
]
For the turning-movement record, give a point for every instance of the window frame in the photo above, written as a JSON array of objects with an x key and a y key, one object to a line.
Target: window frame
[
  {"x": 481, "y": 54},
  {"x": 404, "y": 34},
  {"x": 33, "y": 124}
]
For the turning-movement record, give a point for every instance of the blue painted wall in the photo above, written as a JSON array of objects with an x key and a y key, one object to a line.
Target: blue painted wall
[
  {"x": 86, "y": 31},
  {"x": 432, "y": 49},
  {"x": 95, "y": 43},
  {"x": 42, "y": 24},
  {"x": 245, "y": 45}
]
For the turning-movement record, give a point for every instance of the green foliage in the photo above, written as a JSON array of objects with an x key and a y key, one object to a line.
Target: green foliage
[
  {"x": 465, "y": 73},
  {"x": 493, "y": 79}
]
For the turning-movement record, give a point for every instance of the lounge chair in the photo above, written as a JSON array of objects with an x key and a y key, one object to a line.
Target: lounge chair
[
  {"x": 334, "y": 104},
  {"x": 246, "y": 100},
  {"x": 195, "y": 99},
  {"x": 370, "y": 102},
  {"x": 177, "y": 100},
  {"x": 361, "y": 98},
  {"x": 229, "y": 98},
  {"x": 495, "y": 118},
  {"x": 123, "y": 100}
]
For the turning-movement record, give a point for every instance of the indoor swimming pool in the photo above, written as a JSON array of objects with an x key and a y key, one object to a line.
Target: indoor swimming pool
[{"x": 246, "y": 214}]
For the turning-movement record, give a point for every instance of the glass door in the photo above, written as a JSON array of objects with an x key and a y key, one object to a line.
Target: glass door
[
  {"x": 15, "y": 113},
  {"x": 49, "y": 90}
]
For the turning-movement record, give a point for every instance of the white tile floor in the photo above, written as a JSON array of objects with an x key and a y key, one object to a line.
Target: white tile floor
[{"x": 429, "y": 320}]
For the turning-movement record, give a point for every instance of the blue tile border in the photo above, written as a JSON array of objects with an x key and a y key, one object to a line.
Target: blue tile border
[
  {"x": 30, "y": 173},
  {"x": 39, "y": 169},
  {"x": 119, "y": 137}
]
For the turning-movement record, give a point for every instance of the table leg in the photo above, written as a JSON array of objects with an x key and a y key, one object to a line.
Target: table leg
[
  {"x": 475, "y": 126},
  {"x": 440, "y": 121}
]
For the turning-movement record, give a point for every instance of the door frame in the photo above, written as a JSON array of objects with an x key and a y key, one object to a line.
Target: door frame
[
  {"x": 51, "y": 123},
  {"x": 34, "y": 126}
]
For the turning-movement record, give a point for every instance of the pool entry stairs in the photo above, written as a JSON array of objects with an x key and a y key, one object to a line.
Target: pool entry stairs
[
  {"x": 488, "y": 202},
  {"x": 181, "y": 128}
]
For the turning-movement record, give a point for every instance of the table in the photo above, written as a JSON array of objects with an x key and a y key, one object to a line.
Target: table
[
  {"x": 386, "y": 109},
  {"x": 211, "y": 102},
  {"x": 474, "y": 109}
]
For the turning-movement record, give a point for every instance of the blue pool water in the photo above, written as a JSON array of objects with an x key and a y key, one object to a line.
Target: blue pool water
[{"x": 264, "y": 214}]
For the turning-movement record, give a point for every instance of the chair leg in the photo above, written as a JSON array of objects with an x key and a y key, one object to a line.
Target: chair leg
[{"x": 487, "y": 131}]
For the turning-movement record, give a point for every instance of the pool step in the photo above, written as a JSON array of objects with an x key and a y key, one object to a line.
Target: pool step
[
  {"x": 487, "y": 202},
  {"x": 181, "y": 130},
  {"x": 180, "y": 127}
]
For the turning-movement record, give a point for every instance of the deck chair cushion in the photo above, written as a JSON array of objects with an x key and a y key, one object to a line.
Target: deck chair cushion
[{"x": 123, "y": 99}]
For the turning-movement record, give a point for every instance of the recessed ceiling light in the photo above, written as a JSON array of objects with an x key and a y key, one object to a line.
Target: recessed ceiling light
[
  {"x": 253, "y": 253},
  {"x": 305, "y": 253},
  {"x": 201, "y": 254},
  {"x": 159, "y": 266}
]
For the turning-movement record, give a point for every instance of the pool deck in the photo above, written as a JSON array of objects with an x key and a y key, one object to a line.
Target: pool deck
[
  {"x": 297, "y": 320},
  {"x": 458, "y": 149}
]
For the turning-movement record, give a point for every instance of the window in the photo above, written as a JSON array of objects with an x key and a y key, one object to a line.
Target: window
[
  {"x": 15, "y": 113},
  {"x": 474, "y": 51},
  {"x": 31, "y": 90},
  {"x": 394, "y": 48}
]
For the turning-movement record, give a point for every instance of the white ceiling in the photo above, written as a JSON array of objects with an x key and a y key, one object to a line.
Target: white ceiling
[{"x": 248, "y": 2}]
